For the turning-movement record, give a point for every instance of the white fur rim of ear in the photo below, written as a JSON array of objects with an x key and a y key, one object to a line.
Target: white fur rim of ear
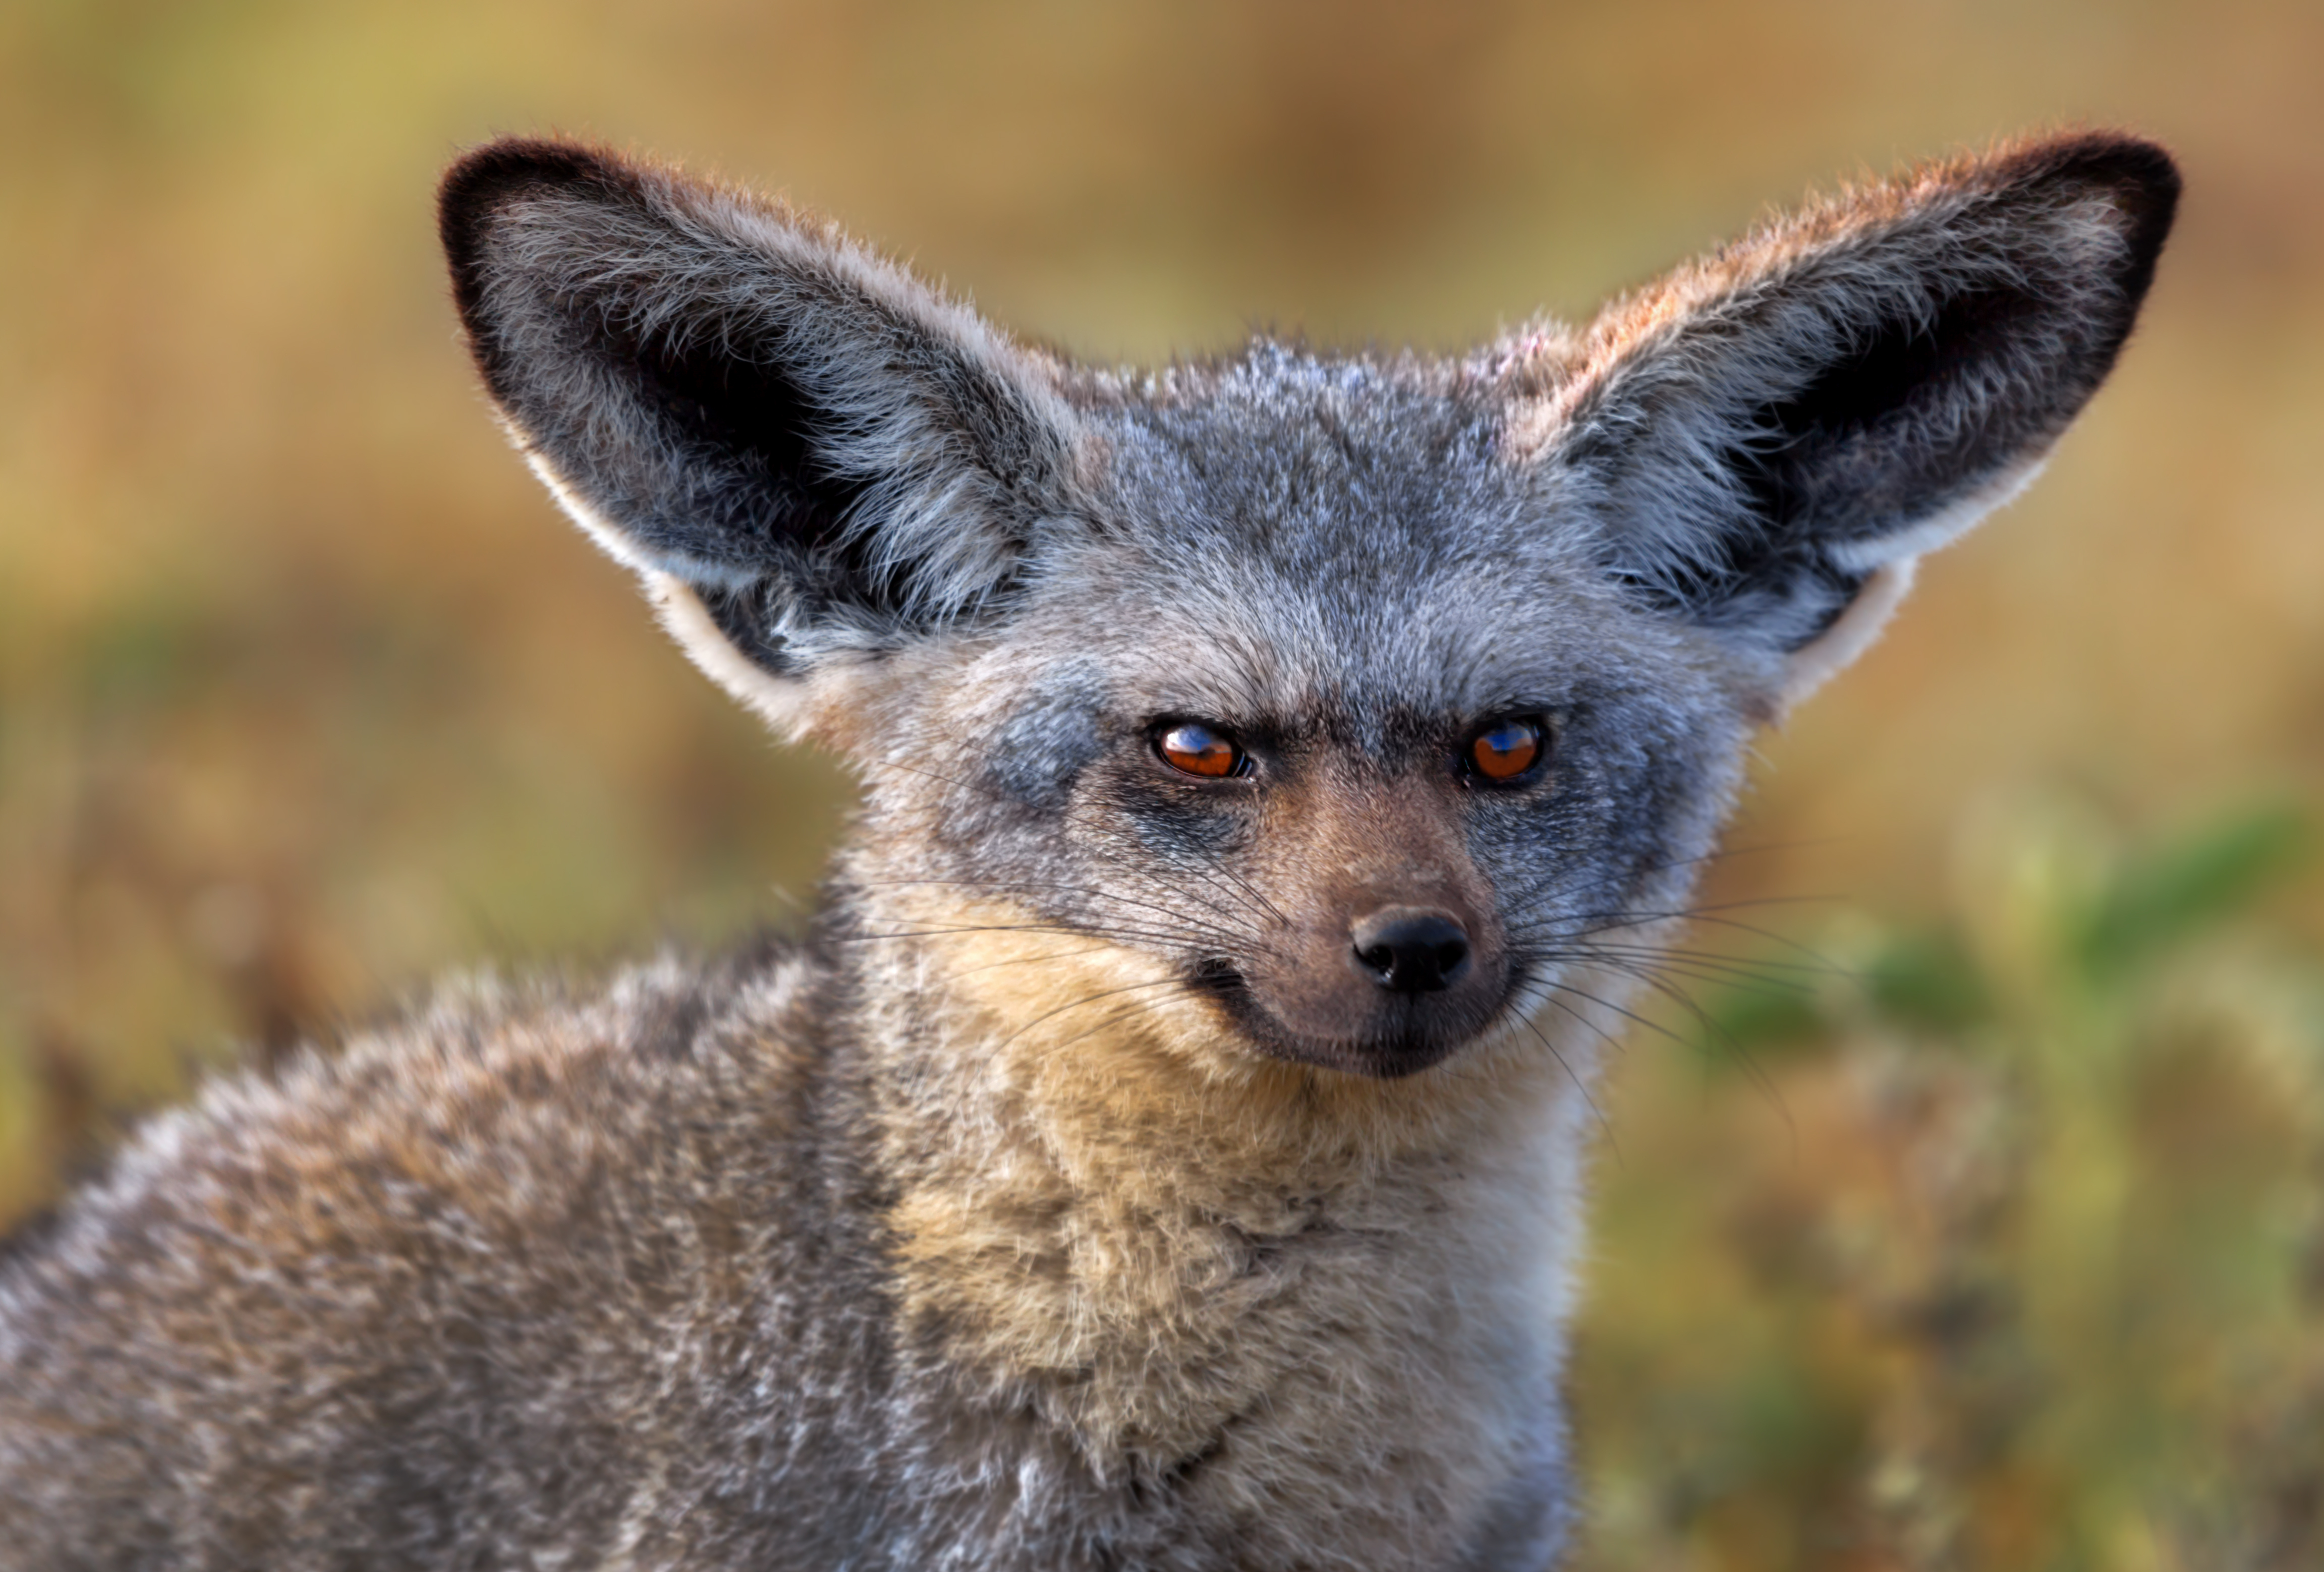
[
  {"x": 779, "y": 702},
  {"x": 679, "y": 610},
  {"x": 1814, "y": 664},
  {"x": 1943, "y": 528},
  {"x": 1888, "y": 563}
]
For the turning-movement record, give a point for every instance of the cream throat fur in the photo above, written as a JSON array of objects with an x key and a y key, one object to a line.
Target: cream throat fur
[{"x": 1184, "y": 1256}]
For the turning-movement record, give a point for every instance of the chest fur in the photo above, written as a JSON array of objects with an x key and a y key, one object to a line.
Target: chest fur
[{"x": 1286, "y": 1306}]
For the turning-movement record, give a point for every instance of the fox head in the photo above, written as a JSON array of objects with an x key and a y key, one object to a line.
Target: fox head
[{"x": 1358, "y": 698}]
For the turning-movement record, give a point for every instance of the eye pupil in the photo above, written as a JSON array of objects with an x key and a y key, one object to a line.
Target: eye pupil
[
  {"x": 1506, "y": 750},
  {"x": 1199, "y": 750}
]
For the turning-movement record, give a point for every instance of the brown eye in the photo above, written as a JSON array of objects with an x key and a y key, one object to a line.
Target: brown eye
[
  {"x": 1506, "y": 749},
  {"x": 1195, "y": 749}
]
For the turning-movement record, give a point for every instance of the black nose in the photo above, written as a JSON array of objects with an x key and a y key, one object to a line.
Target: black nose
[{"x": 1411, "y": 948}]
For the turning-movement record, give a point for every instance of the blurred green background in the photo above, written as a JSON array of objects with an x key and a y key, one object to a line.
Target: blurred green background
[{"x": 1978, "y": 1226}]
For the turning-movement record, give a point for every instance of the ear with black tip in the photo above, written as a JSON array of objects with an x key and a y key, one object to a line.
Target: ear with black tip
[
  {"x": 1769, "y": 437},
  {"x": 810, "y": 457}
]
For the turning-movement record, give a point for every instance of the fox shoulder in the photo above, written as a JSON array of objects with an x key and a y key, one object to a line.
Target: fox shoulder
[{"x": 450, "y": 1261}]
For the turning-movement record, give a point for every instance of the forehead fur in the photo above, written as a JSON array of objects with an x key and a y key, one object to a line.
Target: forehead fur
[{"x": 1287, "y": 530}]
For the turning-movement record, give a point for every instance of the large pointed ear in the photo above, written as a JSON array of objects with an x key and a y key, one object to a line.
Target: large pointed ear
[
  {"x": 1769, "y": 437},
  {"x": 811, "y": 458}
]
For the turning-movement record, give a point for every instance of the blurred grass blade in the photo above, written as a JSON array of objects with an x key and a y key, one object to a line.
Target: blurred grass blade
[
  {"x": 1930, "y": 980},
  {"x": 2166, "y": 895}
]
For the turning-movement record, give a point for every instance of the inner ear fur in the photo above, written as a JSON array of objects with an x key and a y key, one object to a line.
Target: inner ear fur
[
  {"x": 1852, "y": 385},
  {"x": 735, "y": 400}
]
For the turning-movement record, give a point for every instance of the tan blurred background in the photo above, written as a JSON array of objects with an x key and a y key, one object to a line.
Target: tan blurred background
[{"x": 307, "y": 694}]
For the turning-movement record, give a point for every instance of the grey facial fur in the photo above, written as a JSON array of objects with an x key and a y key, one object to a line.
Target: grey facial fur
[{"x": 1138, "y": 1167}]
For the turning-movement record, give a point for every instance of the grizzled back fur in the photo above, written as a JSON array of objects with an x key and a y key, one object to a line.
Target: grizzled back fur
[{"x": 1279, "y": 770}]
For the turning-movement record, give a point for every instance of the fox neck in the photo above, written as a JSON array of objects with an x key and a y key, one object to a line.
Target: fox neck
[{"x": 1109, "y": 1209}]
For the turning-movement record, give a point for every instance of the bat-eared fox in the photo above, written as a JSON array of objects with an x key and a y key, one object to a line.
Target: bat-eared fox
[{"x": 1166, "y": 1150}]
